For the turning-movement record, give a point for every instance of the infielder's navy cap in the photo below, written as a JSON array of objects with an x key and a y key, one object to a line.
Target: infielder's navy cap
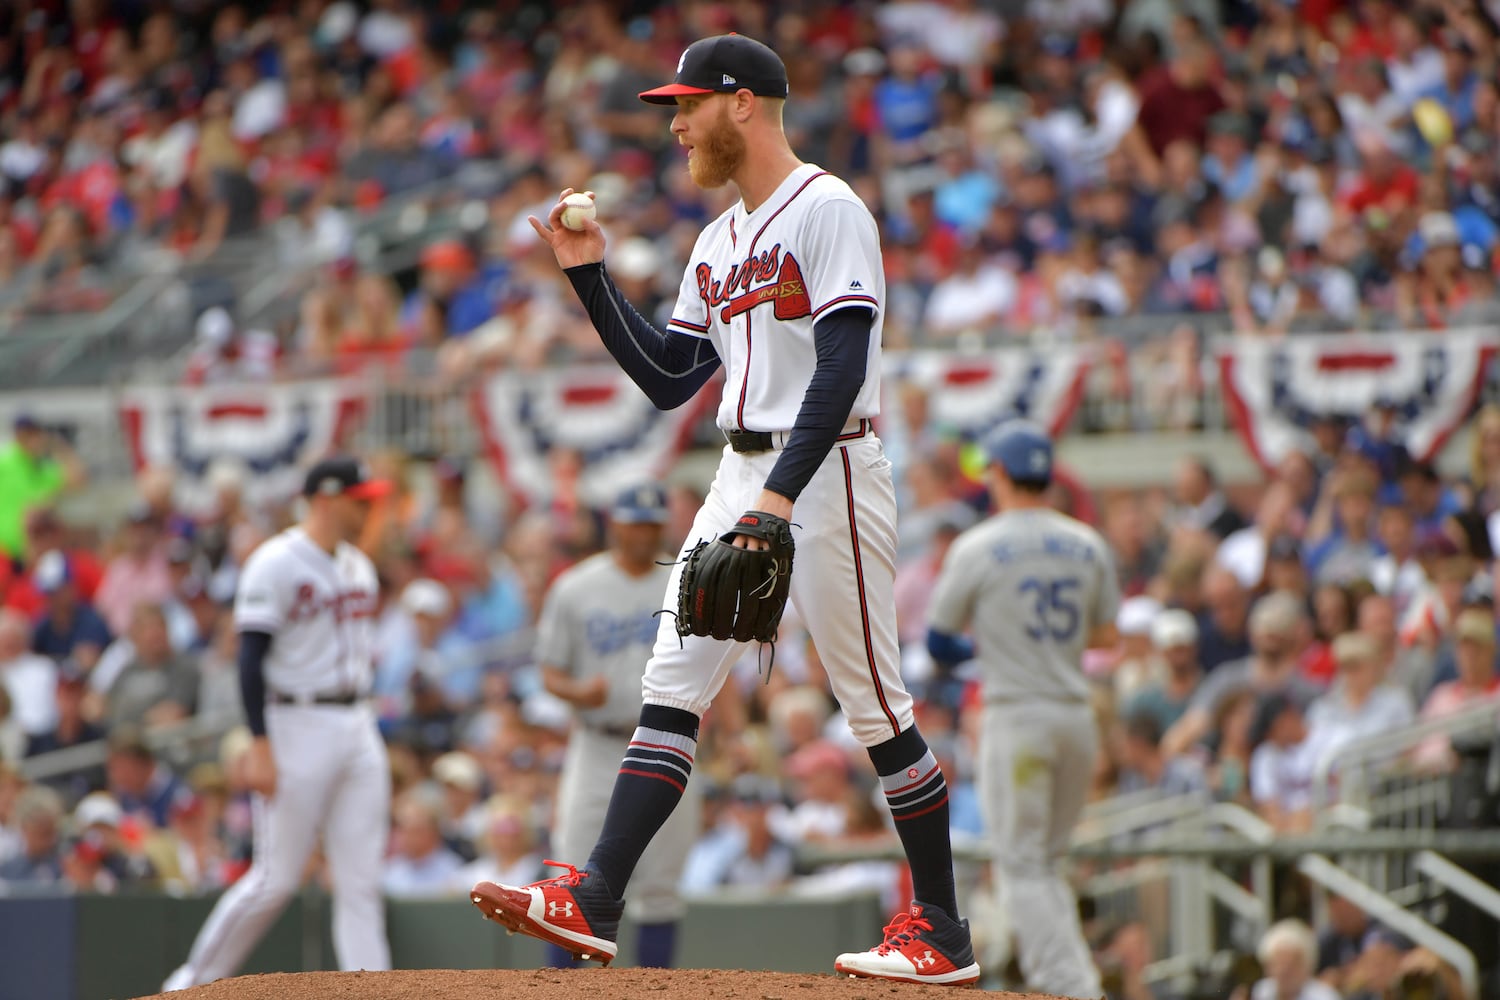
[
  {"x": 640, "y": 505},
  {"x": 1023, "y": 450},
  {"x": 723, "y": 64},
  {"x": 346, "y": 476}
]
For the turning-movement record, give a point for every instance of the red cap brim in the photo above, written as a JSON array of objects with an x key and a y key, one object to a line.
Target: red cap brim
[
  {"x": 668, "y": 95},
  {"x": 371, "y": 489}
]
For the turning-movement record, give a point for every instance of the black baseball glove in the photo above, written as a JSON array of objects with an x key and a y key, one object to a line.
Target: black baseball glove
[{"x": 733, "y": 593}]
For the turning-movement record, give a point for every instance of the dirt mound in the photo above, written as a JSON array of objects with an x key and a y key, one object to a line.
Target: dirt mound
[{"x": 563, "y": 984}]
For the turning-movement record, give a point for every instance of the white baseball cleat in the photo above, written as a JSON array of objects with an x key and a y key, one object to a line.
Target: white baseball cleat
[{"x": 922, "y": 945}]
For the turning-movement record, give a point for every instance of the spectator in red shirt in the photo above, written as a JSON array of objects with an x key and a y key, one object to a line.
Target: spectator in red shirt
[
  {"x": 1385, "y": 182},
  {"x": 1178, "y": 100}
]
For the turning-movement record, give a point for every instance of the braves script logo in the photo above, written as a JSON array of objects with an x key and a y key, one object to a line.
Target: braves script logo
[
  {"x": 768, "y": 276},
  {"x": 308, "y": 603}
]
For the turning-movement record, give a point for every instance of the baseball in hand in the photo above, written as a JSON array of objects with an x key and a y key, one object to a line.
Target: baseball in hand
[{"x": 578, "y": 209}]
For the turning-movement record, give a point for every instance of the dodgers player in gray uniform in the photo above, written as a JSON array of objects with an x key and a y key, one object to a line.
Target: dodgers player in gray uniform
[
  {"x": 1037, "y": 587},
  {"x": 305, "y": 612},
  {"x": 597, "y": 629}
]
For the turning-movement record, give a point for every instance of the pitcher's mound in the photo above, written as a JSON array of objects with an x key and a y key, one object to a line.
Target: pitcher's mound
[{"x": 564, "y": 984}]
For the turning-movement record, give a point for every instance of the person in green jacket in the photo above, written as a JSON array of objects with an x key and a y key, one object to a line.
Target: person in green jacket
[{"x": 35, "y": 467}]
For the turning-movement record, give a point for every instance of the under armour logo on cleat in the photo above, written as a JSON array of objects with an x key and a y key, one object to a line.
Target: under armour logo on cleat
[
  {"x": 925, "y": 960},
  {"x": 556, "y": 909}
]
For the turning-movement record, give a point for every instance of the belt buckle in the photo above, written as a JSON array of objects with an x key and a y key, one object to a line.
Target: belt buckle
[{"x": 749, "y": 442}]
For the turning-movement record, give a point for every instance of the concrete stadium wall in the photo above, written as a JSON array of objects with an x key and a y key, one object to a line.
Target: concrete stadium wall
[{"x": 102, "y": 947}]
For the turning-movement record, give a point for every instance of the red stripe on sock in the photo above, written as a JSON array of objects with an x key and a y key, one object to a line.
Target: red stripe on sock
[
  {"x": 923, "y": 812},
  {"x": 662, "y": 777},
  {"x": 657, "y": 746},
  {"x": 920, "y": 781}
]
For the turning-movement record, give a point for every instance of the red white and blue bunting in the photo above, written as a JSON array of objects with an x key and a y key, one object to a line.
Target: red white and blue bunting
[
  {"x": 272, "y": 431},
  {"x": 594, "y": 412},
  {"x": 1273, "y": 389},
  {"x": 972, "y": 393}
]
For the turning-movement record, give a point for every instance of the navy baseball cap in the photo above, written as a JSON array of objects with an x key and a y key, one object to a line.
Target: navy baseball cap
[
  {"x": 640, "y": 505},
  {"x": 723, "y": 64},
  {"x": 1023, "y": 450},
  {"x": 346, "y": 476}
]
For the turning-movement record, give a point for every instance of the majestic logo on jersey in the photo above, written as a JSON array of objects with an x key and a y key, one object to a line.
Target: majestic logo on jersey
[{"x": 768, "y": 276}]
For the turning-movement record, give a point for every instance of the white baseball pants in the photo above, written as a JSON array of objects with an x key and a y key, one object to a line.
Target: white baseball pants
[
  {"x": 843, "y": 576},
  {"x": 332, "y": 777}
]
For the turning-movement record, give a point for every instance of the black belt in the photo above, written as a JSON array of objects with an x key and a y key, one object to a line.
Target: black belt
[
  {"x": 327, "y": 698},
  {"x": 750, "y": 442}
]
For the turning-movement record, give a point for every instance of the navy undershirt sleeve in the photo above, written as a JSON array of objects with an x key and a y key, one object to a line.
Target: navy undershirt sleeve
[
  {"x": 669, "y": 367},
  {"x": 949, "y": 650},
  {"x": 842, "y": 341},
  {"x": 253, "y": 649}
]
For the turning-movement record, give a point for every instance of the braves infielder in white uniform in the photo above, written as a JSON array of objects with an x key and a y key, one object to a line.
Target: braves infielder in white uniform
[
  {"x": 1037, "y": 587},
  {"x": 305, "y": 613},
  {"x": 786, "y": 291},
  {"x": 597, "y": 629}
]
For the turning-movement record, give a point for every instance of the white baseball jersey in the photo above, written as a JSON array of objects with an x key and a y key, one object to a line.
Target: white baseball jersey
[
  {"x": 811, "y": 248},
  {"x": 599, "y": 621},
  {"x": 1034, "y": 584},
  {"x": 319, "y": 607}
]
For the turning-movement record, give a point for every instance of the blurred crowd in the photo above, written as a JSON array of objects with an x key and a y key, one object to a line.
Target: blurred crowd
[
  {"x": 1267, "y": 626},
  {"x": 1034, "y": 166}
]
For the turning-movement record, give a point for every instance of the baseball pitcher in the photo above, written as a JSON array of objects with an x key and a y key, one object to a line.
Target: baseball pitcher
[{"x": 785, "y": 292}]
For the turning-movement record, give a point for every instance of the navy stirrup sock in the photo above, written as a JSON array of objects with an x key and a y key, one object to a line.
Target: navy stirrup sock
[
  {"x": 918, "y": 797},
  {"x": 650, "y": 783}
]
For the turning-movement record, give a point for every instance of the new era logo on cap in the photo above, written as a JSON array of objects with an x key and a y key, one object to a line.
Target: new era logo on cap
[
  {"x": 723, "y": 64},
  {"x": 344, "y": 476}
]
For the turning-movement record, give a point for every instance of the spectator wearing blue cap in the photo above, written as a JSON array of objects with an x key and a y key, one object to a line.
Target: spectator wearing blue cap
[
  {"x": 35, "y": 467},
  {"x": 70, "y": 628}
]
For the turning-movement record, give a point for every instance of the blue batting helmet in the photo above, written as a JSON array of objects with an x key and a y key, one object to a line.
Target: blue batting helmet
[{"x": 1023, "y": 450}]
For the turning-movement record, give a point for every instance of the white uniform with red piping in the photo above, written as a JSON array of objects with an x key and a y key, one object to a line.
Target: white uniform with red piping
[{"x": 756, "y": 284}]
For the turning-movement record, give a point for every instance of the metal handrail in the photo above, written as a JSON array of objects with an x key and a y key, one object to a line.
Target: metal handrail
[
  {"x": 161, "y": 739},
  {"x": 1471, "y": 889},
  {"x": 1388, "y": 745},
  {"x": 1138, "y": 817},
  {"x": 1375, "y": 903}
]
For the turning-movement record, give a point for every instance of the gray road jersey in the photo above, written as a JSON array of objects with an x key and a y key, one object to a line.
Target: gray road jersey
[
  {"x": 1032, "y": 585},
  {"x": 598, "y": 621}
]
